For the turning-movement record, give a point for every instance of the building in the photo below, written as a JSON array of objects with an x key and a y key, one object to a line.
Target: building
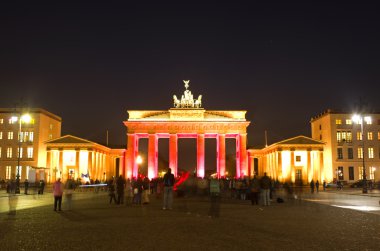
[
  {"x": 40, "y": 126},
  {"x": 73, "y": 157},
  {"x": 344, "y": 154},
  {"x": 296, "y": 160}
]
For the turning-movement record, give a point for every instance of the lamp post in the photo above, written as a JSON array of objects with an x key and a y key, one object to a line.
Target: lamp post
[
  {"x": 26, "y": 118},
  {"x": 359, "y": 119}
]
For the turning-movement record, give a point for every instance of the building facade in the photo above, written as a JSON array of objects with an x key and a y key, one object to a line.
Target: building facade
[
  {"x": 22, "y": 145},
  {"x": 297, "y": 160},
  {"x": 76, "y": 158},
  {"x": 344, "y": 154}
]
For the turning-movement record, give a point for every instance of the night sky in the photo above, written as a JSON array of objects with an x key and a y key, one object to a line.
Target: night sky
[{"x": 283, "y": 63}]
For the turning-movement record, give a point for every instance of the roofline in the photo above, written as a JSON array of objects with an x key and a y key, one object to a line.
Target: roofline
[
  {"x": 337, "y": 111},
  {"x": 31, "y": 110}
]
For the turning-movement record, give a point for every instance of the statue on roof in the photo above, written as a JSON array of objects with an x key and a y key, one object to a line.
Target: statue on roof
[{"x": 187, "y": 99}]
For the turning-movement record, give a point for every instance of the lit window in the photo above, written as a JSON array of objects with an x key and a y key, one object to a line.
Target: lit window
[
  {"x": 349, "y": 137},
  {"x": 298, "y": 158},
  {"x": 368, "y": 120},
  {"x": 9, "y": 152},
  {"x": 31, "y": 136},
  {"x": 30, "y": 152},
  {"x": 50, "y": 136},
  {"x": 369, "y": 135},
  {"x": 360, "y": 172},
  {"x": 372, "y": 170},
  {"x": 338, "y": 121},
  {"x": 359, "y": 136},
  {"x": 370, "y": 152},
  {"x": 1, "y": 121},
  {"x": 10, "y": 135},
  {"x": 51, "y": 126},
  {"x": 339, "y": 136},
  {"x": 19, "y": 152},
  {"x": 1, "y": 135},
  {"x": 0, "y": 152},
  {"x": 348, "y": 122},
  {"x": 11, "y": 121},
  {"x": 378, "y": 135},
  {"x": 360, "y": 153},
  {"x": 25, "y": 136},
  {"x": 8, "y": 171},
  {"x": 19, "y": 171}
]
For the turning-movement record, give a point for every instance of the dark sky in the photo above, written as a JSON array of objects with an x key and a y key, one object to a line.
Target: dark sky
[{"x": 283, "y": 63}]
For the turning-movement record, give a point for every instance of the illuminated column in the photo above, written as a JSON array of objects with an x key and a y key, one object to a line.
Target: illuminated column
[
  {"x": 173, "y": 153},
  {"x": 321, "y": 167},
  {"x": 292, "y": 172},
  {"x": 60, "y": 166},
  {"x": 279, "y": 166},
  {"x": 201, "y": 155},
  {"x": 221, "y": 155},
  {"x": 131, "y": 155},
  {"x": 77, "y": 161},
  {"x": 238, "y": 170},
  {"x": 92, "y": 171},
  {"x": 243, "y": 154},
  {"x": 152, "y": 156},
  {"x": 48, "y": 164},
  {"x": 309, "y": 172}
]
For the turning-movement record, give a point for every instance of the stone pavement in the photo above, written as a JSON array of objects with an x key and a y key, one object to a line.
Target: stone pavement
[{"x": 93, "y": 224}]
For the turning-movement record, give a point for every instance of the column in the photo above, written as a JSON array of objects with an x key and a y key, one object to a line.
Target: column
[
  {"x": 130, "y": 155},
  {"x": 238, "y": 170},
  {"x": 322, "y": 174},
  {"x": 77, "y": 163},
  {"x": 292, "y": 171},
  {"x": 221, "y": 144},
  {"x": 309, "y": 172},
  {"x": 92, "y": 171},
  {"x": 152, "y": 156},
  {"x": 48, "y": 165},
  {"x": 201, "y": 155},
  {"x": 60, "y": 166},
  {"x": 173, "y": 153},
  {"x": 243, "y": 154}
]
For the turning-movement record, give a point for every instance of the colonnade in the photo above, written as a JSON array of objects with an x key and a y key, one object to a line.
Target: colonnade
[{"x": 133, "y": 149}]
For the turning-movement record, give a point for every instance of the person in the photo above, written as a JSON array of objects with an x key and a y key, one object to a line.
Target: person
[
  {"x": 57, "y": 192},
  {"x": 111, "y": 191},
  {"x": 120, "y": 186},
  {"x": 69, "y": 189},
  {"x": 26, "y": 186},
  {"x": 214, "y": 197},
  {"x": 317, "y": 186},
  {"x": 324, "y": 185},
  {"x": 265, "y": 188},
  {"x": 137, "y": 191},
  {"x": 312, "y": 186},
  {"x": 128, "y": 192},
  {"x": 42, "y": 187},
  {"x": 145, "y": 192},
  {"x": 255, "y": 190},
  {"x": 168, "y": 189}
]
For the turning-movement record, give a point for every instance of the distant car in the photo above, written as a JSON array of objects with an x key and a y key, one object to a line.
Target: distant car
[
  {"x": 360, "y": 184},
  {"x": 338, "y": 185}
]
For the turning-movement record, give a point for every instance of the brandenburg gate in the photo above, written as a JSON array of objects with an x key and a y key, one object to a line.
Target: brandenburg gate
[{"x": 187, "y": 119}]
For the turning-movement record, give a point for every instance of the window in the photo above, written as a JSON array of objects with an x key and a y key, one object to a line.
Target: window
[
  {"x": 350, "y": 153},
  {"x": 0, "y": 152},
  {"x": 340, "y": 173},
  {"x": 339, "y": 137},
  {"x": 50, "y": 136},
  {"x": 30, "y": 152},
  {"x": 370, "y": 152},
  {"x": 340, "y": 153},
  {"x": 372, "y": 170},
  {"x": 1, "y": 135},
  {"x": 338, "y": 121},
  {"x": 298, "y": 158},
  {"x": 9, "y": 152},
  {"x": 8, "y": 171},
  {"x": 368, "y": 120},
  {"x": 11, "y": 121},
  {"x": 51, "y": 126},
  {"x": 360, "y": 153},
  {"x": 369, "y": 135},
  {"x": 344, "y": 136},
  {"x": 378, "y": 135},
  {"x": 359, "y": 136},
  {"x": 348, "y": 122},
  {"x": 19, "y": 171},
  {"x": 320, "y": 137},
  {"x": 31, "y": 136},
  {"x": 27, "y": 172},
  {"x": 349, "y": 137},
  {"x": 10, "y": 135},
  {"x": 19, "y": 152},
  {"x": 1, "y": 121},
  {"x": 320, "y": 126},
  {"x": 351, "y": 173}
]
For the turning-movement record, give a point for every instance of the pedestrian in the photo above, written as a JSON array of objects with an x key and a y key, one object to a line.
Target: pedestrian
[
  {"x": 145, "y": 192},
  {"x": 312, "y": 186},
  {"x": 214, "y": 197},
  {"x": 128, "y": 192},
  {"x": 41, "y": 187},
  {"x": 57, "y": 192},
  {"x": 265, "y": 188},
  {"x": 255, "y": 190},
  {"x": 324, "y": 185},
  {"x": 317, "y": 186},
  {"x": 26, "y": 186},
  {"x": 69, "y": 190},
  {"x": 137, "y": 191},
  {"x": 168, "y": 189},
  {"x": 120, "y": 186},
  {"x": 111, "y": 191}
]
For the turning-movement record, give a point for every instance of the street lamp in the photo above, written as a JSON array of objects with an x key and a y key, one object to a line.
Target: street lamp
[
  {"x": 26, "y": 119},
  {"x": 359, "y": 119}
]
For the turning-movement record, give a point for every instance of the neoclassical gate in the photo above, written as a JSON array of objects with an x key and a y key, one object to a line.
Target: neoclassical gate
[{"x": 186, "y": 120}]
